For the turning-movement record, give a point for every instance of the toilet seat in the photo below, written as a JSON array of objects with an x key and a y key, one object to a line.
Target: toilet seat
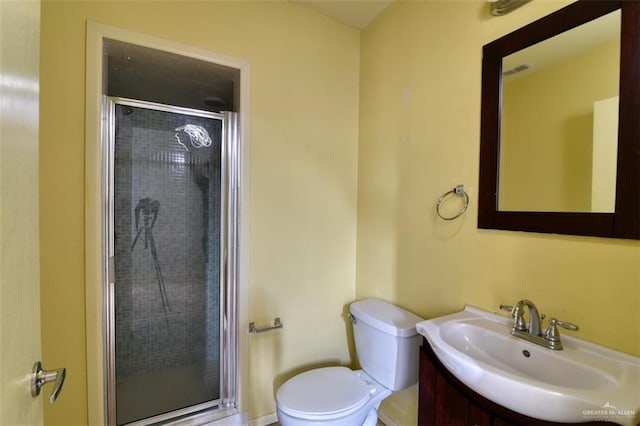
[{"x": 323, "y": 394}]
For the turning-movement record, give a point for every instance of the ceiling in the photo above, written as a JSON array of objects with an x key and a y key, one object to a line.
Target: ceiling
[{"x": 355, "y": 13}]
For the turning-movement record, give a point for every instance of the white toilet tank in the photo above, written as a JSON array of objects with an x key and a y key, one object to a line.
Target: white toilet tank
[{"x": 387, "y": 342}]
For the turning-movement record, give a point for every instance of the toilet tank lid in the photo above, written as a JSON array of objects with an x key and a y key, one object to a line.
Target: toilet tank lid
[{"x": 386, "y": 317}]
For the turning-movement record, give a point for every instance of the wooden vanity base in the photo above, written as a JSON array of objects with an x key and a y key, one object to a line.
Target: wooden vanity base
[{"x": 446, "y": 401}]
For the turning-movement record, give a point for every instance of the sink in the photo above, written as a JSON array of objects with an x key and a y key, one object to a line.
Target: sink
[
  {"x": 583, "y": 382},
  {"x": 486, "y": 341}
]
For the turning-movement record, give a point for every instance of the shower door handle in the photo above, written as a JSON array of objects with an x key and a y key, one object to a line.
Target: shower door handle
[{"x": 41, "y": 376}]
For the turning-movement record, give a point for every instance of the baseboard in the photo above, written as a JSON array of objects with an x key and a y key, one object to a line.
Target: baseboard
[
  {"x": 388, "y": 421},
  {"x": 264, "y": 420}
]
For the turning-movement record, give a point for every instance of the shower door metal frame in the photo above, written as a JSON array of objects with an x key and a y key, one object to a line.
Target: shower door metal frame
[{"x": 227, "y": 403}]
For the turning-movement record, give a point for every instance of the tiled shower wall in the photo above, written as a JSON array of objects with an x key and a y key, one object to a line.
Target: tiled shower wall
[{"x": 150, "y": 163}]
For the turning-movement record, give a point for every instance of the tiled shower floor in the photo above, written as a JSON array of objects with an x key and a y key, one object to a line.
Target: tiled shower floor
[{"x": 149, "y": 394}]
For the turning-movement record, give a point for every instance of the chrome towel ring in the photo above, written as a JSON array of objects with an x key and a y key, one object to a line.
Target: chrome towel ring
[{"x": 459, "y": 192}]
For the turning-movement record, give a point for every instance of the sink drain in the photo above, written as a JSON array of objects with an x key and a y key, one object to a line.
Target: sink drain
[{"x": 526, "y": 353}]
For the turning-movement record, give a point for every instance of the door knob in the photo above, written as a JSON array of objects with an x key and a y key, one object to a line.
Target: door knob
[{"x": 40, "y": 377}]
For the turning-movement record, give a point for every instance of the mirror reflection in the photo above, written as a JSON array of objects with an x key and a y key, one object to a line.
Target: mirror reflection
[{"x": 559, "y": 122}]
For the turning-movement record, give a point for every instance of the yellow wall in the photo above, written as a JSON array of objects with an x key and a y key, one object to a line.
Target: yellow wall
[
  {"x": 304, "y": 114},
  {"x": 547, "y": 131},
  {"x": 419, "y": 137}
]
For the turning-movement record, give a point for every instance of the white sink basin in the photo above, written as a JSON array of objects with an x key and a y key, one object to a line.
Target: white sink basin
[{"x": 583, "y": 382}]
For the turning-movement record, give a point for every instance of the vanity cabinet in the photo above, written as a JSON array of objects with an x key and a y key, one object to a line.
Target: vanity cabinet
[{"x": 445, "y": 401}]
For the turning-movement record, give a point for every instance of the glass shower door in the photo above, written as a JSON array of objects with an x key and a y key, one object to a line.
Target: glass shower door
[{"x": 167, "y": 242}]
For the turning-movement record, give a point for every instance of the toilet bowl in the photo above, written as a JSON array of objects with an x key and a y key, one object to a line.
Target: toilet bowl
[
  {"x": 341, "y": 397},
  {"x": 387, "y": 345}
]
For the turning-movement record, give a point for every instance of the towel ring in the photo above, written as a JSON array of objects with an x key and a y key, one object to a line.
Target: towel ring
[{"x": 460, "y": 192}]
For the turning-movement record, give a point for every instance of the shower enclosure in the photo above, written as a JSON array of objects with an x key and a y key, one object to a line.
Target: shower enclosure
[{"x": 172, "y": 208}]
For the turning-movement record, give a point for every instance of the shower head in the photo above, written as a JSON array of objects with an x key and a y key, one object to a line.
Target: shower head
[{"x": 216, "y": 103}]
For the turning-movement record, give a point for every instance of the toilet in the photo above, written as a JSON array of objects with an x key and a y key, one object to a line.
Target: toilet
[{"x": 387, "y": 345}]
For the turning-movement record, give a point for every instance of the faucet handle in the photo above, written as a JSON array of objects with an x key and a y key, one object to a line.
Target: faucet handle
[
  {"x": 553, "y": 336},
  {"x": 507, "y": 308},
  {"x": 563, "y": 324},
  {"x": 518, "y": 316}
]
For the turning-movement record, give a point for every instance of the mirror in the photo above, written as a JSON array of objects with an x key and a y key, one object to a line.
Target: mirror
[
  {"x": 560, "y": 137},
  {"x": 559, "y": 117}
]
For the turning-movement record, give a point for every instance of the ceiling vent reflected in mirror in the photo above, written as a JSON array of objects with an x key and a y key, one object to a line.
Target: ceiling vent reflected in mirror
[
  {"x": 502, "y": 7},
  {"x": 515, "y": 70}
]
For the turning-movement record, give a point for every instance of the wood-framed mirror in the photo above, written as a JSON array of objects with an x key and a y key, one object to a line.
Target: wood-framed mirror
[{"x": 530, "y": 176}]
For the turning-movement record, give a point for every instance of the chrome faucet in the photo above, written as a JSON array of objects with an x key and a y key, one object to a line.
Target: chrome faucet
[
  {"x": 535, "y": 319},
  {"x": 533, "y": 333}
]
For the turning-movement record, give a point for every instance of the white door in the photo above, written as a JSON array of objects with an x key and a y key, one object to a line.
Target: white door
[{"x": 19, "y": 261}]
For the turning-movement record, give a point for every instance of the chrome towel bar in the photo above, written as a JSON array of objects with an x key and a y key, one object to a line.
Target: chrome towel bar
[{"x": 276, "y": 325}]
